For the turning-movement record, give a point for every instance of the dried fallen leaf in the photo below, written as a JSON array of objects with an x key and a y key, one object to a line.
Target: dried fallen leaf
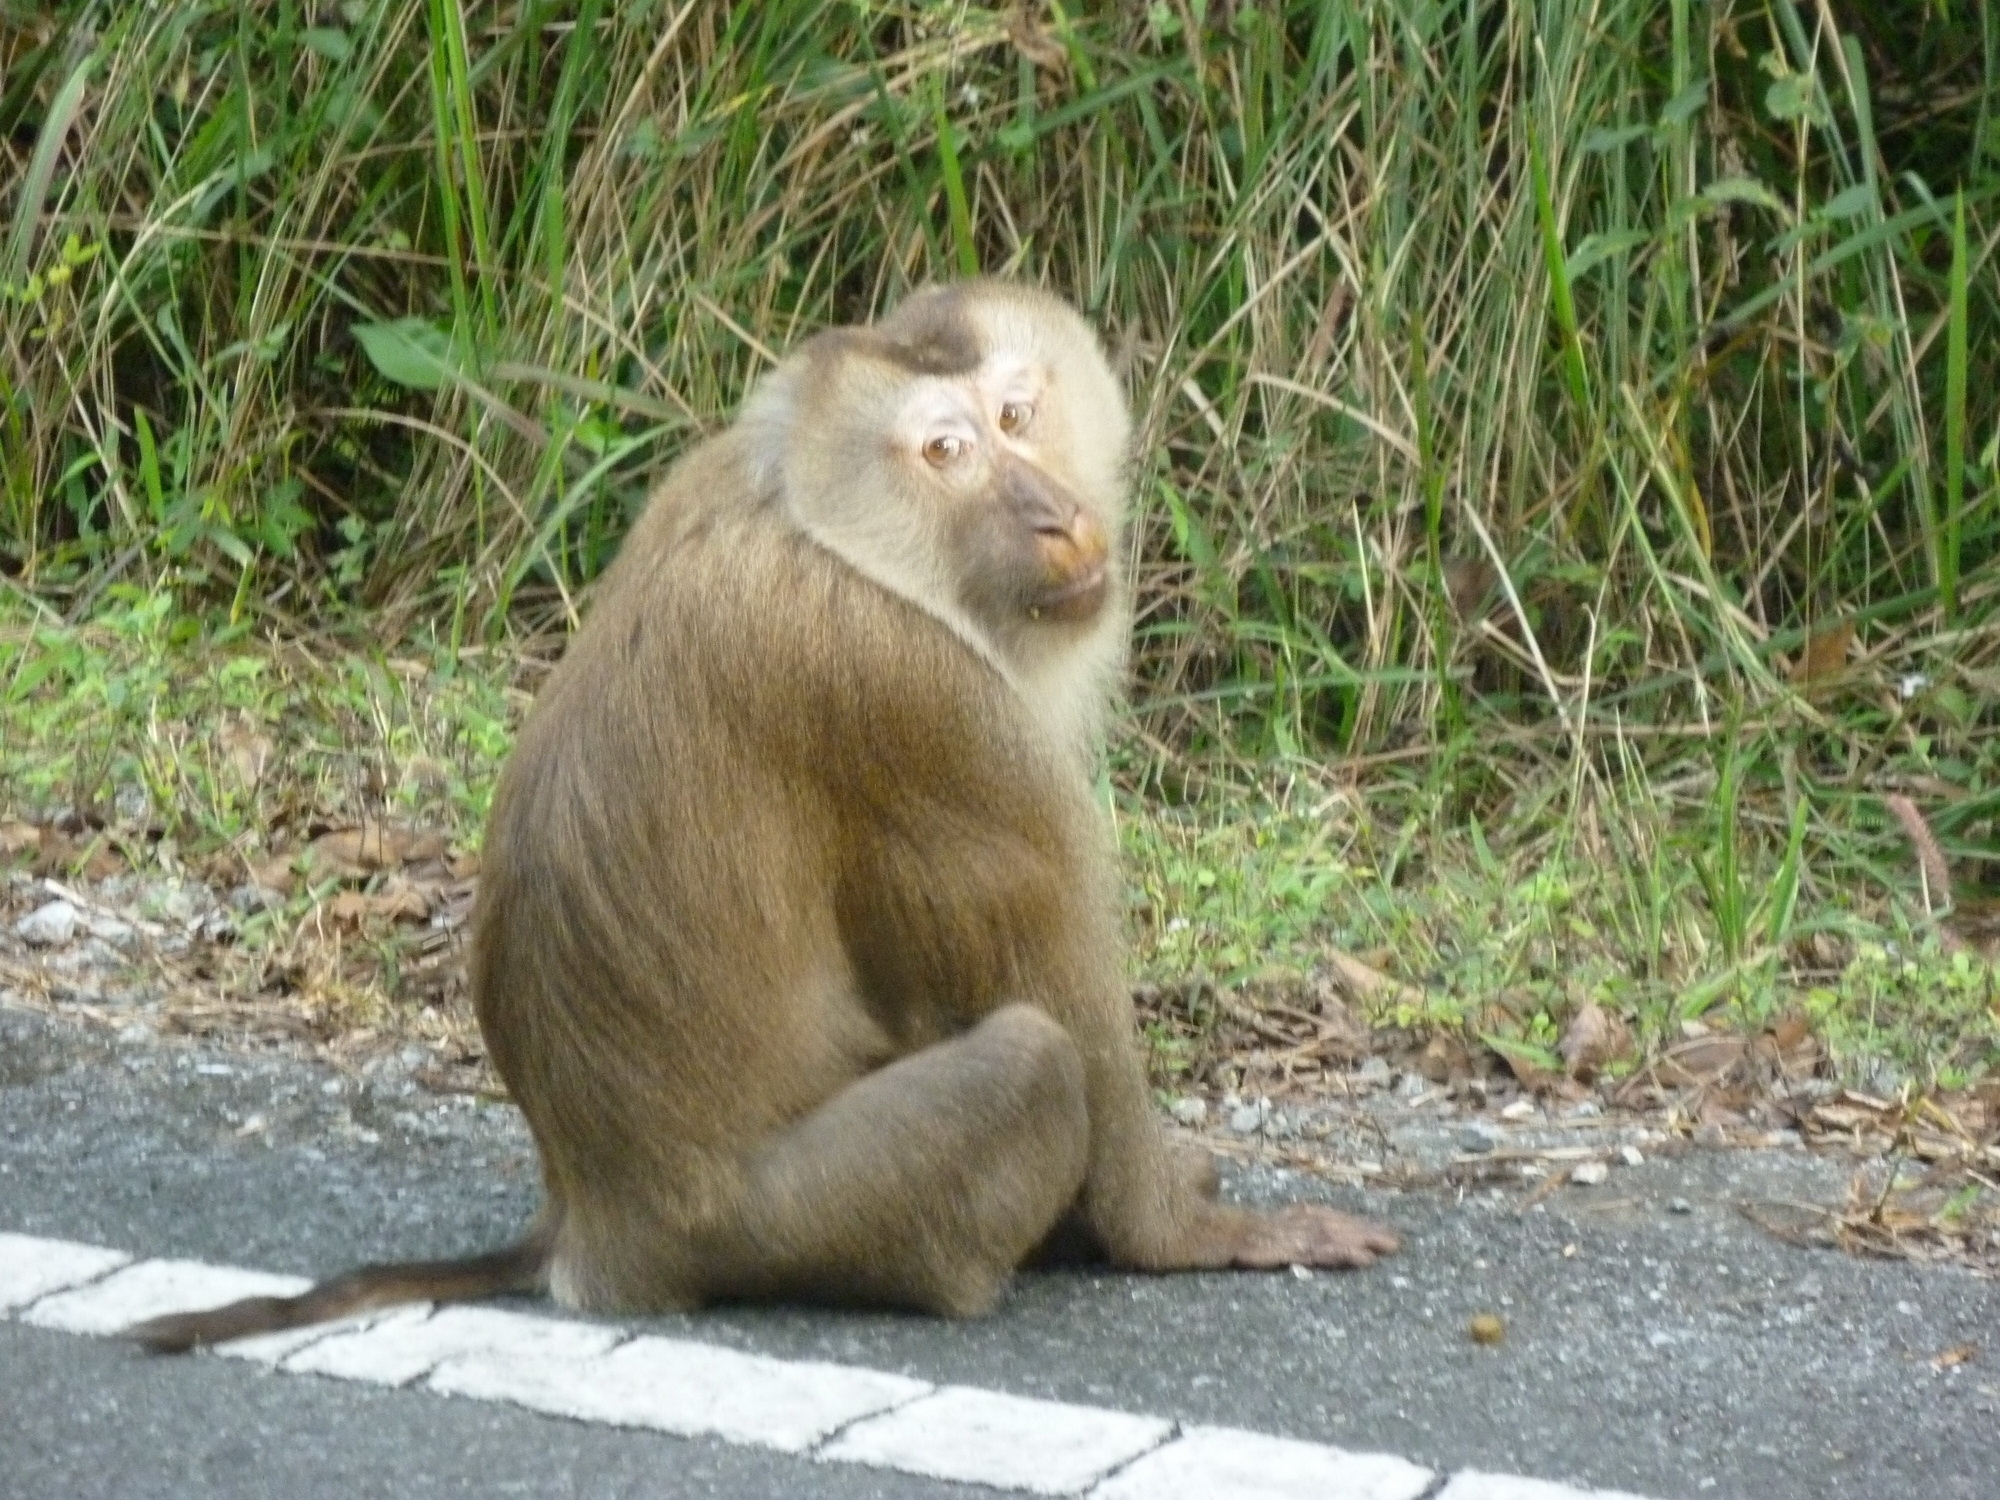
[
  {"x": 1957, "y": 1354},
  {"x": 246, "y": 752},
  {"x": 1469, "y": 582},
  {"x": 1526, "y": 1062},
  {"x": 1702, "y": 1060},
  {"x": 369, "y": 848},
  {"x": 1486, "y": 1328},
  {"x": 18, "y": 839},
  {"x": 1824, "y": 658},
  {"x": 1593, "y": 1038},
  {"x": 1033, "y": 43},
  {"x": 1364, "y": 984},
  {"x": 275, "y": 874},
  {"x": 1444, "y": 1059},
  {"x": 58, "y": 854},
  {"x": 395, "y": 902},
  {"x": 1789, "y": 1030}
]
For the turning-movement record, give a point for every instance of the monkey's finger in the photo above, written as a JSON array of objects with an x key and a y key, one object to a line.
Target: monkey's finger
[
  {"x": 1307, "y": 1235},
  {"x": 1346, "y": 1241}
]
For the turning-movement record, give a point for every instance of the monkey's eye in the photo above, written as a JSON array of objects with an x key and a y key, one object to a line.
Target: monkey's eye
[
  {"x": 943, "y": 449},
  {"x": 1014, "y": 416}
]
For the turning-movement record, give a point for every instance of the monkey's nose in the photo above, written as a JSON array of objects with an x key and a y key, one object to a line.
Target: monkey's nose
[{"x": 1074, "y": 569}]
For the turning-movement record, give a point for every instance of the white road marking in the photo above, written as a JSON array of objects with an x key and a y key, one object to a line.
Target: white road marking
[
  {"x": 151, "y": 1287},
  {"x": 594, "y": 1372},
  {"x": 30, "y": 1268},
  {"x": 271, "y": 1348},
  {"x": 693, "y": 1390},
  {"x": 1470, "y": 1484},
  {"x": 1009, "y": 1442},
  {"x": 1224, "y": 1463},
  {"x": 400, "y": 1349}
]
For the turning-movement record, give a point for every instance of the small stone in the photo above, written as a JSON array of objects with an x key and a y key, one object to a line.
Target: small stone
[
  {"x": 1679, "y": 1206},
  {"x": 1519, "y": 1109},
  {"x": 1883, "y": 1079},
  {"x": 1246, "y": 1119},
  {"x": 1589, "y": 1173},
  {"x": 174, "y": 902},
  {"x": 246, "y": 899},
  {"x": 1412, "y": 1086},
  {"x": 1486, "y": 1328},
  {"x": 1303, "y": 1273},
  {"x": 1190, "y": 1111},
  {"x": 1374, "y": 1072},
  {"x": 1479, "y": 1136},
  {"x": 48, "y": 926},
  {"x": 1632, "y": 1156},
  {"x": 1583, "y": 1109},
  {"x": 215, "y": 926},
  {"x": 120, "y": 935}
]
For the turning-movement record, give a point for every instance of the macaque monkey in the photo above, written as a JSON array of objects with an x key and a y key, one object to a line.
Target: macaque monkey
[{"x": 798, "y": 931}]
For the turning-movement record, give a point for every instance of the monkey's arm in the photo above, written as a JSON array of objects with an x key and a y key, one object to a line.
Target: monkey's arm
[
  {"x": 1147, "y": 1203},
  {"x": 1153, "y": 1209}
]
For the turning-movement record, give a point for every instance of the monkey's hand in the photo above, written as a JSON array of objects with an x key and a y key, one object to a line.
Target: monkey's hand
[{"x": 1306, "y": 1234}]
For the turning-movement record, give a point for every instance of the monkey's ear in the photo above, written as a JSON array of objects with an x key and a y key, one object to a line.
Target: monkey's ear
[{"x": 767, "y": 421}]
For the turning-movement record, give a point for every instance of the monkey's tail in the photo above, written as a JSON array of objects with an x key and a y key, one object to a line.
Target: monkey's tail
[{"x": 521, "y": 1267}]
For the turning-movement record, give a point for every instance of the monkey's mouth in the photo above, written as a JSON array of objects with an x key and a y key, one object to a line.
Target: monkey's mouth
[{"x": 1073, "y": 602}]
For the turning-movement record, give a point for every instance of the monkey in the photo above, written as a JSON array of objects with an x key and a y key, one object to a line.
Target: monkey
[{"x": 798, "y": 934}]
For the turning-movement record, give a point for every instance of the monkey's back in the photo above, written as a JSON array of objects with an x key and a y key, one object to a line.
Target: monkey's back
[{"x": 760, "y": 812}]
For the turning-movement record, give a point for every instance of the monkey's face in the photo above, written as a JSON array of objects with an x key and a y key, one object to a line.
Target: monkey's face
[
  {"x": 967, "y": 453},
  {"x": 981, "y": 456}
]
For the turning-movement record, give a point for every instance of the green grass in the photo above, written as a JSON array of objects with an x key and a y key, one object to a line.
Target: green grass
[
  {"x": 1506, "y": 929},
  {"x": 1568, "y": 485},
  {"x": 130, "y": 722},
  {"x": 1500, "y": 927}
]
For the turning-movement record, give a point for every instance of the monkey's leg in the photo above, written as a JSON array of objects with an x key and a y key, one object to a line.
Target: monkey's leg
[{"x": 922, "y": 1185}]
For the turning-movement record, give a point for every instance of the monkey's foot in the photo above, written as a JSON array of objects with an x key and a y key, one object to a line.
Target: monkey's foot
[{"x": 1305, "y": 1234}]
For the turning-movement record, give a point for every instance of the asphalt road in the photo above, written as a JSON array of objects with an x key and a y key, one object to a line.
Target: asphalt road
[{"x": 1680, "y": 1355}]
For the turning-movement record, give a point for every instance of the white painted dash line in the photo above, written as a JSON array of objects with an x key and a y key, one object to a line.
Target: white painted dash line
[
  {"x": 596, "y": 1372},
  {"x": 409, "y": 1344},
  {"x": 1470, "y": 1484},
  {"x": 1223, "y": 1463},
  {"x": 147, "y": 1288},
  {"x": 30, "y": 1268},
  {"x": 1009, "y": 1442},
  {"x": 692, "y": 1390}
]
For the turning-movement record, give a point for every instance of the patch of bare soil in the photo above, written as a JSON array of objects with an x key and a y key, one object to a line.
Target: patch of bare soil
[
  {"x": 347, "y": 948},
  {"x": 1288, "y": 1071}
]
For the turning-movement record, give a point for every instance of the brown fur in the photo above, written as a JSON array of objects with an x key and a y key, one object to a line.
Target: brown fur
[{"x": 798, "y": 937}]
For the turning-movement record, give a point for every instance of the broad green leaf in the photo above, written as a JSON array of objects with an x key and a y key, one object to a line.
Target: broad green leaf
[
  {"x": 1684, "y": 105},
  {"x": 409, "y": 351},
  {"x": 1600, "y": 142},
  {"x": 1849, "y": 203},
  {"x": 328, "y": 42},
  {"x": 1597, "y": 248}
]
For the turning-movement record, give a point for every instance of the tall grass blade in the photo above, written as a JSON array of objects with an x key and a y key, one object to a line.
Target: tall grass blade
[{"x": 34, "y": 186}]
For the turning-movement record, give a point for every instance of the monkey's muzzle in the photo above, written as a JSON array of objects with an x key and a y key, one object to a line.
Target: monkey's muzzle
[{"x": 1075, "y": 574}]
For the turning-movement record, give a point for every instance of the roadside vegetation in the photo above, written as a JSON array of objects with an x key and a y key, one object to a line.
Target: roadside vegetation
[{"x": 1567, "y": 496}]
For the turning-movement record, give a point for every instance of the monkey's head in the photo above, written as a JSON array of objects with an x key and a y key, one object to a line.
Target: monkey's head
[{"x": 967, "y": 452}]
